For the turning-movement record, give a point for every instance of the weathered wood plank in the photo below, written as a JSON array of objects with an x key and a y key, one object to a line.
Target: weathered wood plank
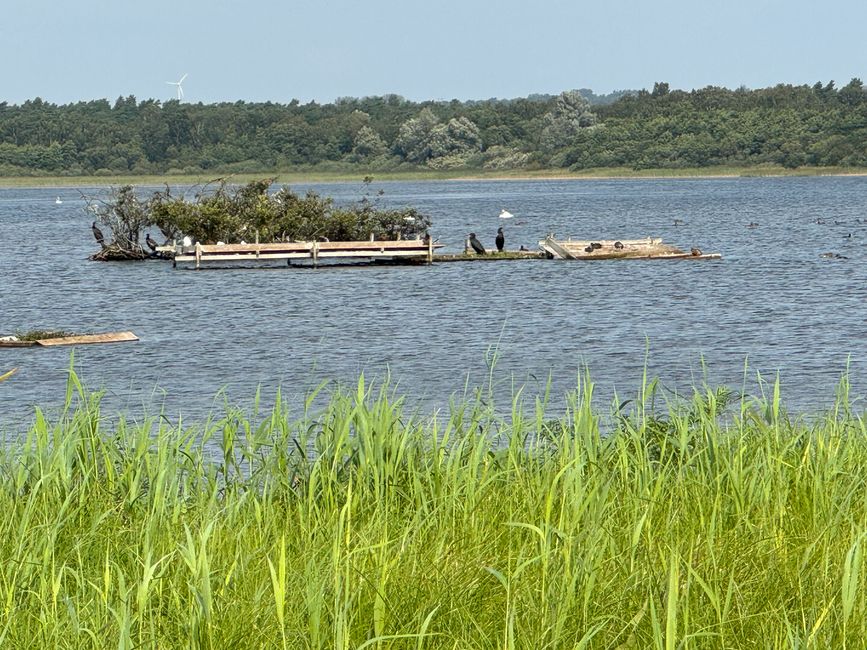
[{"x": 84, "y": 339}]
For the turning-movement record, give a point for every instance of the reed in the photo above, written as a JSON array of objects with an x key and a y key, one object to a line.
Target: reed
[{"x": 715, "y": 522}]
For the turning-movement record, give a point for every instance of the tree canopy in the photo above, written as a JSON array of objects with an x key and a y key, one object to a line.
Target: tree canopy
[{"x": 816, "y": 125}]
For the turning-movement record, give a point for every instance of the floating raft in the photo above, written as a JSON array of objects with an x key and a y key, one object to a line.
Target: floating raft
[
  {"x": 607, "y": 249},
  {"x": 313, "y": 250},
  {"x": 82, "y": 339}
]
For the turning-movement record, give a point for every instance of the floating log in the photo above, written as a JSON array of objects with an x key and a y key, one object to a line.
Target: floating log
[
  {"x": 80, "y": 339},
  {"x": 610, "y": 249},
  {"x": 86, "y": 339}
]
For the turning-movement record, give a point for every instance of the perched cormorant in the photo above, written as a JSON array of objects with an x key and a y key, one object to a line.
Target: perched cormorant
[
  {"x": 476, "y": 244},
  {"x": 589, "y": 249},
  {"x": 618, "y": 245},
  {"x": 150, "y": 242},
  {"x": 596, "y": 245},
  {"x": 501, "y": 239},
  {"x": 696, "y": 252},
  {"x": 97, "y": 234}
]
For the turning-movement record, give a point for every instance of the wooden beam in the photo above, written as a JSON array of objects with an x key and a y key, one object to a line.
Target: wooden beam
[{"x": 110, "y": 337}]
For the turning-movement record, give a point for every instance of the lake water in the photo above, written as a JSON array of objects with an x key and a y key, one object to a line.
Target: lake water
[{"x": 771, "y": 303}]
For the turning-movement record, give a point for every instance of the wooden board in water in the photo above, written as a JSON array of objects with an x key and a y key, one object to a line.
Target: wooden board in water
[{"x": 85, "y": 339}]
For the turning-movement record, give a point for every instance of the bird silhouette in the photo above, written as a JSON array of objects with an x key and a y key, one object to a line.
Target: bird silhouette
[
  {"x": 476, "y": 244},
  {"x": 97, "y": 234},
  {"x": 501, "y": 239},
  {"x": 150, "y": 242}
]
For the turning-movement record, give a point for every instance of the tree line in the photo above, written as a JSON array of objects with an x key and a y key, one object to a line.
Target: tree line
[{"x": 793, "y": 126}]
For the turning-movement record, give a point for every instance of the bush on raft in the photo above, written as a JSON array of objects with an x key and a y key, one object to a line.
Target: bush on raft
[{"x": 232, "y": 214}]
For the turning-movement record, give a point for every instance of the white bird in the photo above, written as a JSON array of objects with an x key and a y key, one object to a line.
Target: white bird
[
  {"x": 188, "y": 241},
  {"x": 505, "y": 214},
  {"x": 58, "y": 201}
]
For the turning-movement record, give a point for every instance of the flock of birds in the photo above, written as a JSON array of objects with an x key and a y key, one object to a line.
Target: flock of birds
[
  {"x": 499, "y": 240},
  {"x": 100, "y": 238}
]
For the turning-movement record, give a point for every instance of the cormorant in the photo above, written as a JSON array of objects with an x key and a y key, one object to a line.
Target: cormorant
[
  {"x": 150, "y": 242},
  {"x": 501, "y": 239},
  {"x": 97, "y": 234},
  {"x": 476, "y": 244},
  {"x": 696, "y": 252},
  {"x": 618, "y": 245},
  {"x": 596, "y": 245},
  {"x": 589, "y": 249}
]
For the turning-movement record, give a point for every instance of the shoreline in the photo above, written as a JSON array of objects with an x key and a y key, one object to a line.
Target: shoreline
[{"x": 288, "y": 178}]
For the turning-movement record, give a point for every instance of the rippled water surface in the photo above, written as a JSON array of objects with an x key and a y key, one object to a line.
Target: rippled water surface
[{"x": 772, "y": 301}]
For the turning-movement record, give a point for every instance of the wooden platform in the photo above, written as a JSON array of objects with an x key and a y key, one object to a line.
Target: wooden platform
[
  {"x": 313, "y": 251},
  {"x": 82, "y": 339},
  {"x": 607, "y": 249},
  {"x": 490, "y": 256}
]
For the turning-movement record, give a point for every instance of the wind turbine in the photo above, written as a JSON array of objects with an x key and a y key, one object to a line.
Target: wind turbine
[{"x": 178, "y": 84}]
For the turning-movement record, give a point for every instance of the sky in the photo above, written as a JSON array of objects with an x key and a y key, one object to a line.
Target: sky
[{"x": 321, "y": 50}]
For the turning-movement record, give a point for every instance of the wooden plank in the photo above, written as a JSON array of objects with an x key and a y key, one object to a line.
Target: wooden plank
[
  {"x": 227, "y": 249},
  {"x": 242, "y": 257},
  {"x": 557, "y": 249},
  {"x": 84, "y": 339},
  {"x": 17, "y": 344}
]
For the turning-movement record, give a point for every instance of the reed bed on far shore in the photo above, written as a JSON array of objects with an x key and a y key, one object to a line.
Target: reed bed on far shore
[{"x": 711, "y": 523}]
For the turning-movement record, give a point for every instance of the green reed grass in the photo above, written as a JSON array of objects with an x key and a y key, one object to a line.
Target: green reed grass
[{"x": 710, "y": 524}]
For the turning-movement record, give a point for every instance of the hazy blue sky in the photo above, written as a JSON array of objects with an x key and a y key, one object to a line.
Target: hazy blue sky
[{"x": 324, "y": 49}]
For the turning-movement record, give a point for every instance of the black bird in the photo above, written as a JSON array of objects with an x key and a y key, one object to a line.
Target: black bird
[
  {"x": 501, "y": 240},
  {"x": 476, "y": 244},
  {"x": 618, "y": 245},
  {"x": 150, "y": 242},
  {"x": 589, "y": 249},
  {"x": 97, "y": 234},
  {"x": 596, "y": 245}
]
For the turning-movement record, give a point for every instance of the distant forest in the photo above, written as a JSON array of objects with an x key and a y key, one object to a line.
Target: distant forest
[{"x": 792, "y": 126}]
